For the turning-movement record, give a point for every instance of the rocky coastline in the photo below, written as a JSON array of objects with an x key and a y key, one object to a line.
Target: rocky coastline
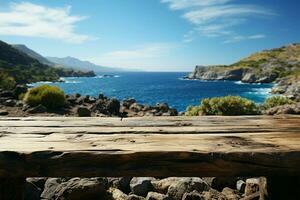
[
  {"x": 81, "y": 106},
  {"x": 144, "y": 188},
  {"x": 280, "y": 66}
]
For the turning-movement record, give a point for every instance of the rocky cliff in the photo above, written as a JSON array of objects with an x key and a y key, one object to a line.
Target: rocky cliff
[
  {"x": 262, "y": 67},
  {"x": 280, "y": 65}
]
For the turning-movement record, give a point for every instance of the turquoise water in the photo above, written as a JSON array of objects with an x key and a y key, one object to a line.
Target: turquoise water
[{"x": 169, "y": 87}]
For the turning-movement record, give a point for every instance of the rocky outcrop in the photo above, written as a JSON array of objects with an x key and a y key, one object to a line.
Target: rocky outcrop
[{"x": 143, "y": 188}]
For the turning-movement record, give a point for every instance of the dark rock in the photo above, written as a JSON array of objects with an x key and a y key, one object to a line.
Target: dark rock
[
  {"x": 113, "y": 106},
  {"x": 122, "y": 183},
  {"x": 83, "y": 111},
  {"x": 240, "y": 186},
  {"x": 163, "y": 107},
  {"x": 194, "y": 195},
  {"x": 102, "y": 97},
  {"x": 10, "y": 102},
  {"x": 128, "y": 102},
  {"x": 72, "y": 98},
  {"x": 157, "y": 196},
  {"x": 19, "y": 89},
  {"x": 141, "y": 185},
  {"x": 7, "y": 93},
  {"x": 3, "y": 112},
  {"x": 219, "y": 183},
  {"x": 38, "y": 109},
  {"x": 39, "y": 182},
  {"x": 32, "y": 192}
]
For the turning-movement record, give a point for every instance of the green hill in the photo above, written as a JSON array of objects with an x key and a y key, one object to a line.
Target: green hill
[{"x": 20, "y": 68}]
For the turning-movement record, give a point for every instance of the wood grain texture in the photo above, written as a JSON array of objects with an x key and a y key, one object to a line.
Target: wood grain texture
[{"x": 157, "y": 146}]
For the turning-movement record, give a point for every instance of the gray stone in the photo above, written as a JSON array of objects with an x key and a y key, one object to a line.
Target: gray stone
[
  {"x": 83, "y": 111},
  {"x": 10, "y": 102},
  {"x": 141, "y": 185},
  {"x": 77, "y": 189},
  {"x": 51, "y": 185},
  {"x": 177, "y": 189},
  {"x": 157, "y": 196}
]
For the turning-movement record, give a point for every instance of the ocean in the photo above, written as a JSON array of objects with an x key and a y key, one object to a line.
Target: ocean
[{"x": 153, "y": 87}]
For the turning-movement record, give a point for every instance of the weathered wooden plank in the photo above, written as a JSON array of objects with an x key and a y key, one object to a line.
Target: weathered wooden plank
[{"x": 177, "y": 146}]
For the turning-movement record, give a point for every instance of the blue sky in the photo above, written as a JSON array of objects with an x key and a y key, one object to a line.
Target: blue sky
[{"x": 152, "y": 35}]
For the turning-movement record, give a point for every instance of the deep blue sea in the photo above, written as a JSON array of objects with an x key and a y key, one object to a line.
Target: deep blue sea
[{"x": 153, "y": 87}]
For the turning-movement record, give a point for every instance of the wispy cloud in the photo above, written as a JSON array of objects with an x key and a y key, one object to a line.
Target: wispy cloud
[
  {"x": 135, "y": 57},
  {"x": 241, "y": 38},
  {"x": 215, "y": 18},
  {"x": 28, "y": 19}
]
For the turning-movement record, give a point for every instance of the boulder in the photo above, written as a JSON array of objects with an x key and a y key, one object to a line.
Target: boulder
[
  {"x": 71, "y": 98},
  {"x": 253, "y": 185},
  {"x": 113, "y": 106},
  {"x": 163, "y": 185},
  {"x": 230, "y": 194},
  {"x": 51, "y": 185},
  {"x": 117, "y": 194},
  {"x": 39, "y": 182},
  {"x": 194, "y": 195},
  {"x": 37, "y": 109},
  {"x": 163, "y": 107},
  {"x": 136, "y": 107},
  {"x": 10, "y": 102},
  {"x": 128, "y": 102},
  {"x": 141, "y": 185},
  {"x": 219, "y": 183},
  {"x": 157, "y": 196},
  {"x": 240, "y": 186},
  {"x": 122, "y": 183},
  {"x": 177, "y": 189},
  {"x": 79, "y": 188},
  {"x": 83, "y": 111}
]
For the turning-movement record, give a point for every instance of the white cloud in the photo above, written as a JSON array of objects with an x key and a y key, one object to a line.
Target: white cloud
[
  {"x": 32, "y": 20},
  {"x": 215, "y": 18},
  {"x": 183, "y": 4},
  {"x": 239, "y": 38}
]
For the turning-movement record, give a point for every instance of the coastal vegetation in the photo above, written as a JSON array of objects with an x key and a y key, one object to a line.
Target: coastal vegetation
[
  {"x": 51, "y": 97},
  {"x": 228, "y": 105},
  {"x": 274, "y": 101},
  {"x": 236, "y": 105}
]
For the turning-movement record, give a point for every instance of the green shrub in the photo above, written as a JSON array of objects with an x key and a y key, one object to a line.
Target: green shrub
[
  {"x": 6, "y": 81},
  {"x": 228, "y": 105},
  {"x": 192, "y": 111},
  {"x": 51, "y": 97},
  {"x": 276, "y": 101}
]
